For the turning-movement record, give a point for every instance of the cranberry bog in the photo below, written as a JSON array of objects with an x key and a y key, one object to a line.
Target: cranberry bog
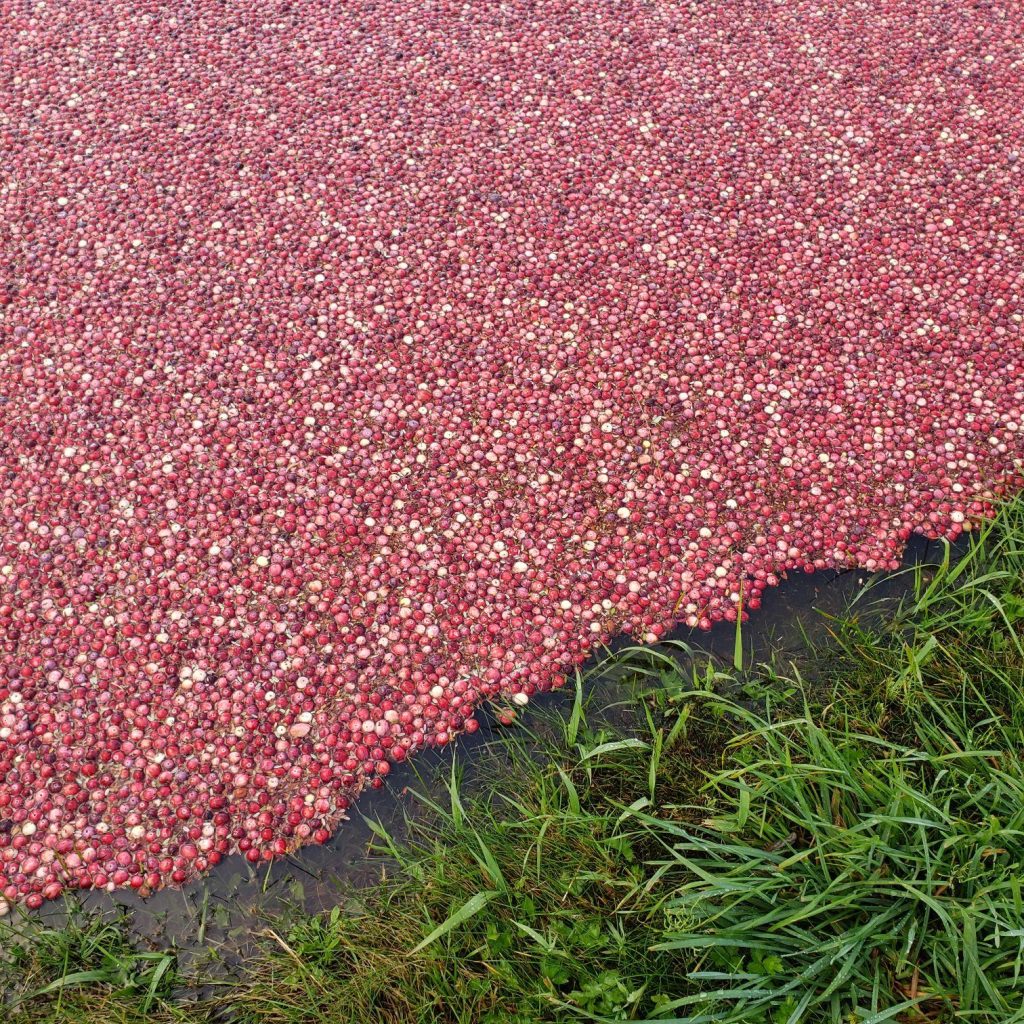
[{"x": 362, "y": 363}]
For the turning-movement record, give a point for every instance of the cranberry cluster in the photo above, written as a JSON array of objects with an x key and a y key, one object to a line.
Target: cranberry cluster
[{"x": 362, "y": 360}]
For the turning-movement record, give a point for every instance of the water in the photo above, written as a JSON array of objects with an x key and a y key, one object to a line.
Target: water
[{"x": 215, "y": 920}]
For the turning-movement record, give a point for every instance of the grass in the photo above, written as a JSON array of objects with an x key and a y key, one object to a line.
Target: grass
[
  {"x": 87, "y": 971},
  {"x": 847, "y": 877},
  {"x": 762, "y": 847}
]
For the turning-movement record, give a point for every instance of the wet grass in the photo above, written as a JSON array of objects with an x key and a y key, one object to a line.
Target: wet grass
[
  {"x": 87, "y": 971},
  {"x": 843, "y": 843}
]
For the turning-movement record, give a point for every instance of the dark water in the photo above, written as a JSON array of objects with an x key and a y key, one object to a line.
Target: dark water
[{"x": 214, "y": 920}]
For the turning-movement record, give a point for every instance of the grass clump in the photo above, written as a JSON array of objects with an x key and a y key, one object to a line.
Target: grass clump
[
  {"x": 848, "y": 878},
  {"x": 86, "y": 972},
  {"x": 841, "y": 846}
]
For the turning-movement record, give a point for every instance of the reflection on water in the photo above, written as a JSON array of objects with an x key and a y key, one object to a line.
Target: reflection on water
[{"x": 213, "y": 920}]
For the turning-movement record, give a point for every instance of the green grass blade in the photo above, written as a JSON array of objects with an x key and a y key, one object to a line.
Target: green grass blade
[{"x": 471, "y": 907}]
